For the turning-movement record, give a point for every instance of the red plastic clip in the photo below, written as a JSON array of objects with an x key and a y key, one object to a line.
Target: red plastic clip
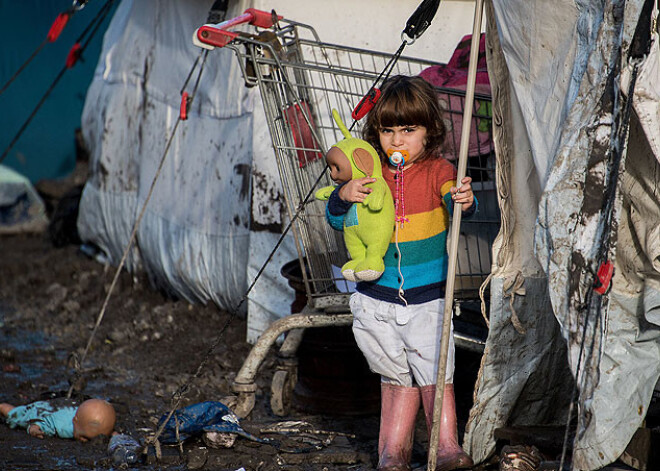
[
  {"x": 262, "y": 19},
  {"x": 219, "y": 35},
  {"x": 74, "y": 55},
  {"x": 214, "y": 36},
  {"x": 183, "y": 112},
  {"x": 604, "y": 277},
  {"x": 365, "y": 105},
  {"x": 57, "y": 26}
]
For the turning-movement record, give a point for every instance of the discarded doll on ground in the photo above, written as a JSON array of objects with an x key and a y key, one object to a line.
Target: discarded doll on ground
[{"x": 90, "y": 419}]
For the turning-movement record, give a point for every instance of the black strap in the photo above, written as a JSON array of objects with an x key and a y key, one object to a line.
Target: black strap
[
  {"x": 218, "y": 12},
  {"x": 421, "y": 18}
]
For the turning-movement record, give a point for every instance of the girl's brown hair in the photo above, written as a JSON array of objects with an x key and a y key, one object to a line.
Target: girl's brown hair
[{"x": 407, "y": 101}]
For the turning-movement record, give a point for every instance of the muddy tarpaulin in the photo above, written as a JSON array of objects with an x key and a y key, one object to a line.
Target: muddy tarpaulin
[
  {"x": 216, "y": 206},
  {"x": 559, "y": 73},
  {"x": 21, "y": 207}
]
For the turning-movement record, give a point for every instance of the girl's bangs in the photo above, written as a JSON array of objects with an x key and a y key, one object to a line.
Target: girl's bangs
[{"x": 402, "y": 111}]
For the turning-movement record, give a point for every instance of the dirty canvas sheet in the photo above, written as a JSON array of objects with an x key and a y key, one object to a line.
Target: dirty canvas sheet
[
  {"x": 210, "y": 198},
  {"x": 557, "y": 100}
]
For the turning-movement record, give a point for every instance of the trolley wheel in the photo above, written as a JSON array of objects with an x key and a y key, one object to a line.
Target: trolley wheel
[{"x": 281, "y": 392}]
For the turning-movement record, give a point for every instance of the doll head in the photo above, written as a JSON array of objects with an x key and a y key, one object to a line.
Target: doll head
[
  {"x": 340, "y": 167},
  {"x": 351, "y": 157},
  {"x": 407, "y": 101},
  {"x": 94, "y": 417}
]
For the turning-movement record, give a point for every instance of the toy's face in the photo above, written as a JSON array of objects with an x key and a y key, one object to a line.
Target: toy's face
[
  {"x": 80, "y": 430},
  {"x": 93, "y": 418},
  {"x": 340, "y": 167}
]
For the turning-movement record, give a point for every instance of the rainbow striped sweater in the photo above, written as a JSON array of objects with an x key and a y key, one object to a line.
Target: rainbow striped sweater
[{"x": 422, "y": 239}]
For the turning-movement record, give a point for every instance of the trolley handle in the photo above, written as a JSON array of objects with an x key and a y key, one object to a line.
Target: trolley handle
[{"x": 218, "y": 35}]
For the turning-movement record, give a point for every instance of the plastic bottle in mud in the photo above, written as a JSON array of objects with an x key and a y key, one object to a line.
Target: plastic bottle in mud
[{"x": 124, "y": 449}]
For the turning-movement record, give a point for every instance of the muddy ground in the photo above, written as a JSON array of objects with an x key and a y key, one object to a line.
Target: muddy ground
[{"x": 146, "y": 347}]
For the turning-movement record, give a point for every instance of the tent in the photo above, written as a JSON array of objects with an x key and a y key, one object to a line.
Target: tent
[
  {"x": 560, "y": 90},
  {"x": 559, "y": 75}
]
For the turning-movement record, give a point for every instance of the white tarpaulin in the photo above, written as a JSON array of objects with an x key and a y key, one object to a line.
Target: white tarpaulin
[
  {"x": 199, "y": 214},
  {"x": 558, "y": 101}
]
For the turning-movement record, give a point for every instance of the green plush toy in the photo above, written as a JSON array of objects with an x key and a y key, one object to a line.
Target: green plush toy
[{"x": 368, "y": 226}]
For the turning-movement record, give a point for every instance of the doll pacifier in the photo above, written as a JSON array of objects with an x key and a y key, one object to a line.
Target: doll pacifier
[{"x": 397, "y": 157}]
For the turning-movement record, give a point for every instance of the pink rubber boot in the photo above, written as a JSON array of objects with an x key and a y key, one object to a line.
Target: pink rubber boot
[
  {"x": 450, "y": 454},
  {"x": 398, "y": 411}
]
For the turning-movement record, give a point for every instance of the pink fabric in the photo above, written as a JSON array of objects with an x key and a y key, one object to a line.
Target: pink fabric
[{"x": 453, "y": 76}]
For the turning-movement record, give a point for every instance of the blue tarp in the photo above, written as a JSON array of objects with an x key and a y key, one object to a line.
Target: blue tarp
[{"x": 209, "y": 416}]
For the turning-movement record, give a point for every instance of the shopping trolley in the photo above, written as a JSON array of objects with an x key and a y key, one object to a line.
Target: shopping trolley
[{"x": 301, "y": 80}]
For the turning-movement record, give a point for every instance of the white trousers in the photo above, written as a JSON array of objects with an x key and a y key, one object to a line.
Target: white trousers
[{"x": 402, "y": 343}]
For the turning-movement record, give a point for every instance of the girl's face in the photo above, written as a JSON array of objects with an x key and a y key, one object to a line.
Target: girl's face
[{"x": 408, "y": 138}]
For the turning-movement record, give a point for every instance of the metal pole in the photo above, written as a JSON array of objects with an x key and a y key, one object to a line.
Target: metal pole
[{"x": 453, "y": 244}]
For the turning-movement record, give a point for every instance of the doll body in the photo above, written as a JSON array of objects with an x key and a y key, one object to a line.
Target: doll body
[
  {"x": 45, "y": 419},
  {"x": 367, "y": 225}
]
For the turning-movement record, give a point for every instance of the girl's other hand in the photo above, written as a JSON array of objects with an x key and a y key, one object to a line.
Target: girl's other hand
[
  {"x": 355, "y": 191},
  {"x": 463, "y": 194}
]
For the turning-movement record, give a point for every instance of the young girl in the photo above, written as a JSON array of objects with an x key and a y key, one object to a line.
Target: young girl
[{"x": 398, "y": 318}]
